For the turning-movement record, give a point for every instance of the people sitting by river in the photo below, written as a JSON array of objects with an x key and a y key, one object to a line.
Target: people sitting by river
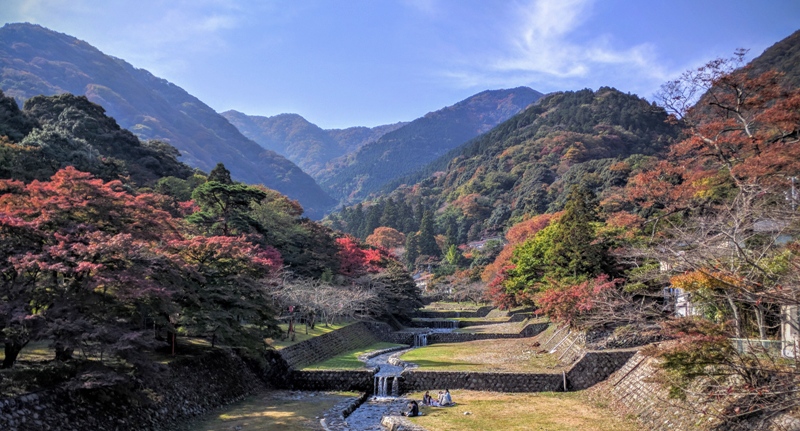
[
  {"x": 427, "y": 399},
  {"x": 446, "y": 400},
  {"x": 413, "y": 409}
]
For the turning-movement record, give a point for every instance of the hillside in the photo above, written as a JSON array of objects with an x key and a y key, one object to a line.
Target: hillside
[
  {"x": 784, "y": 57},
  {"x": 35, "y": 60},
  {"x": 56, "y": 131},
  {"x": 302, "y": 142},
  {"x": 526, "y": 165},
  {"x": 423, "y": 140}
]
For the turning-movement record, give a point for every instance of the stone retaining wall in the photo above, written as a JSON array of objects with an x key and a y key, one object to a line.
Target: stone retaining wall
[
  {"x": 513, "y": 318},
  {"x": 592, "y": 368},
  {"x": 415, "y": 380},
  {"x": 529, "y": 330},
  {"x": 326, "y": 346},
  {"x": 632, "y": 390},
  {"x": 595, "y": 366},
  {"x": 184, "y": 389},
  {"x": 480, "y": 312},
  {"x": 334, "y": 380}
]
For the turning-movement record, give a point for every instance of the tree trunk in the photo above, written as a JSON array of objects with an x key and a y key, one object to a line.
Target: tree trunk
[
  {"x": 762, "y": 329},
  {"x": 63, "y": 354},
  {"x": 736, "y": 319},
  {"x": 11, "y": 350}
]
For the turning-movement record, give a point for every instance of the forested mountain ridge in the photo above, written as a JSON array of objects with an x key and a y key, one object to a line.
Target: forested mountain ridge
[
  {"x": 35, "y": 60},
  {"x": 53, "y": 132},
  {"x": 526, "y": 165},
  {"x": 784, "y": 57},
  {"x": 423, "y": 140},
  {"x": 302, "y": 142}
]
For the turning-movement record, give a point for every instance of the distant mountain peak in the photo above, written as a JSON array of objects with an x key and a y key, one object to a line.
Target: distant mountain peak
[{"x": 35, "y": 60}]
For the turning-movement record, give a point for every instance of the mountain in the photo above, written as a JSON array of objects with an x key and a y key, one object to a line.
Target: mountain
[
  {"x": 53, "y": 132},
  {"x": 35, "y": 60},
  {"x": 526, "y": 165},
  {"x": 784, "y": 57},
  {"x": 302, "y": 142},
  {"x": 421, "y": 141}
]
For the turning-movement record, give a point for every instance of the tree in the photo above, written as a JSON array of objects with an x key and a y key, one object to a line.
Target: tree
[
  {"x": 723, "y": 225},
  {"x": 427, "y": 238},
  {"x": 387, "y": 238},
  {"x": 228, "y": 289},
  {"x": 352, "y": 259},
  {"x": 225, "y": 205},
  {"x": 80, "y": 264},
  {"x": 412, "y": 249},
  {"x": 575, "y": 250}
]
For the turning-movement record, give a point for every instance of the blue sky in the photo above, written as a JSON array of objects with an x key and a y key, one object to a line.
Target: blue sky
[{"x": 369, "y": 62}]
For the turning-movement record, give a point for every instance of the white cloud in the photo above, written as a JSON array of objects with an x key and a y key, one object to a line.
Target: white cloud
[{"x": 543, "y": 48}]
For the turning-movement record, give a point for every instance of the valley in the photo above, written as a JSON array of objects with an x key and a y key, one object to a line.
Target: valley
[{"x": 570, "y": 259}]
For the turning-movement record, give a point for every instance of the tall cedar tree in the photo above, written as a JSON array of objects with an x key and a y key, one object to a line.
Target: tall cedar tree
[
  {"x": 576, "y": 251},
  {"x": 427, "y": 239}
]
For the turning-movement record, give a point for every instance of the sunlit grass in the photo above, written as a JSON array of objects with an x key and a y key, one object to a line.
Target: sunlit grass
[
  {"x": 495, "y": 328},
  {"x": 300, "y": 333},
  {"x": 280, "y": 410},
  {"x": 35, "y": 351},
  {"x": 349, "y": 360},
  {"x": 517, "y": 355},
  {"x": 520, "y": 412}
]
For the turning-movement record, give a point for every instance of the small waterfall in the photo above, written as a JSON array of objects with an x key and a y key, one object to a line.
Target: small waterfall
[
  {"x": 420, "y": 340},
  {"x": 384, "y": 389},
  {"x": 445, "y": 324}
]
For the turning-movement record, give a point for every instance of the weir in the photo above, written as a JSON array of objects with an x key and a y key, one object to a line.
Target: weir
[
  {"x": 387, "y": 386},
  {"x": 420, "y": 340},
  {"x": 444, "y": 324}
]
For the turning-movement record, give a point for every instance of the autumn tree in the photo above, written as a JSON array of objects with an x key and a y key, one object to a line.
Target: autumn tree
[
  {"x": 79, "y": 256},
  {"x": 724, "y": 227},
  {"x": 387, "y": 238}
]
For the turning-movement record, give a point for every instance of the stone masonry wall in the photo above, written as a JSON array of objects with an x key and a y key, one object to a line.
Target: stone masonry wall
[
  {"x": 413, "y": 380},
  {"x": 596, "y": 366},
  {"x": 186, "y": 388},
  {"x": 328, "y": 345},
  {"x": 334, "y": 380},
  {"x": 529, "y": 330},
  {"x": 634, "y": 393},
  {"x": 480, "y": 312},
  {"x": 632, "y": 390},
  {"x": 592, "y": 368}
]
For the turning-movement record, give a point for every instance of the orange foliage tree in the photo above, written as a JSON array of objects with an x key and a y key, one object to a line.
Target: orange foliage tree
[{"x": 386, "y": 238}]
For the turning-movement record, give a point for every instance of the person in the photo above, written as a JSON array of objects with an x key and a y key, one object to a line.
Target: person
[
  {"x": 439, "y": 397},
  {"x": 413, "y": 409},
  {"x": 426, "y": 399},
  {"x": 447, "y": 400}
]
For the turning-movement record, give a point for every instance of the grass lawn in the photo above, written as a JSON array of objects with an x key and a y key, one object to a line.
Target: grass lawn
[
  {"x": 278, "y": 410},
  {"x": 300, "y": 333},
  {"x": 349, "y": 360},
  {"x": 35, "y": 351},
  {"x": 521, "y": 412},
  {"x": 495, "y": 328},
  {"x": 510, "y": 355}
]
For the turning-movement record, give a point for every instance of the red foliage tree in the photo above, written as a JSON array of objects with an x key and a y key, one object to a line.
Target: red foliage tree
[{"x": 567, "y": 304}]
